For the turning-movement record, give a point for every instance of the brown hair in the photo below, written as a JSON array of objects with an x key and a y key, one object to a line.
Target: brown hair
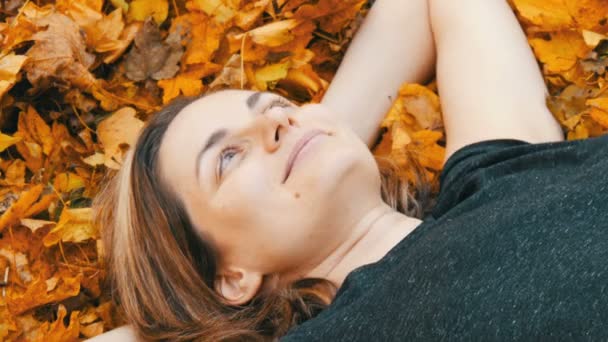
[{"x": 163, "y": 272}]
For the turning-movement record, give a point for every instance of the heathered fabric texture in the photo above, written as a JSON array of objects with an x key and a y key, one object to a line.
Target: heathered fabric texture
[{"x": 515, "y": 249}]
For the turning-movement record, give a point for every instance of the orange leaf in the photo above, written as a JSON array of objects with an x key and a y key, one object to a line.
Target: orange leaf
[
  {"x": 17, "y": 210},
  {"x": 120, "y": 128},
  {"x": 172, "y": 88}
]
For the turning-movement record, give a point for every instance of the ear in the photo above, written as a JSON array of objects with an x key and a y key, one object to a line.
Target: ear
[{"x": 238, "y": 286}]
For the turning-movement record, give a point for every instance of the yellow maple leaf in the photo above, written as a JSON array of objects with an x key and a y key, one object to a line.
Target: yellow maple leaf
[
  {"x": 173, "y": 87},
  {"x": 75, "y": 225},
  {"x": 205, "y": 37},
  {"x": 561, "y": 52},
  {"x": 142, "y": 9},
  {"x": 546, "y": 14}
]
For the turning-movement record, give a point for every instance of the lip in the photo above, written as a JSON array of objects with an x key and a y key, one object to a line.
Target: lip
[{"x": 299, "y": 145}]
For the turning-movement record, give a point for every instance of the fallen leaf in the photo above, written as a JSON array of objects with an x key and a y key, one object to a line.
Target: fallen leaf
[
  {"x": 151, "y": 56},
  {"x": 10, "y": 65},
  {"x": 75, "y": 225},
  {"x": 221, "y": 11},
  {"x": 57, "y": 331},
  {"x": 547, "y": 14},
  {"x": 120, "y": 128},
  {"x": 59, "y": 53},
  {"x": 7, "y": 141},
  {"x": 34, "y": 224},
  {"x": 19, "y": 208},
  {"x": 561, "y": 52},
  {"x": 180, "y": 85},
  {"x": 142, "y": 9},
  {"x": 268, "y": 75}
]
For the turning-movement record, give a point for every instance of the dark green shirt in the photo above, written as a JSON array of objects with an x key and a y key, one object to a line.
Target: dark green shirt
[{"x": 515, "y": 249}]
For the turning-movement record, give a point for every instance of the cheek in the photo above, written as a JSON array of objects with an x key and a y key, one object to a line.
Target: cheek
[{"x": 244, "y": 193}]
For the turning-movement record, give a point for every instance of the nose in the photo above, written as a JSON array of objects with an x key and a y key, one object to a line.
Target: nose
[{"x": 275, "y": 123}]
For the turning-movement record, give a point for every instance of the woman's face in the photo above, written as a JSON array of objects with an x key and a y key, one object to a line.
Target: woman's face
[{"x": 274, "y": 186}]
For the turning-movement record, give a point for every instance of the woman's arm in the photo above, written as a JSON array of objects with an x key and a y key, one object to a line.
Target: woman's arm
[
  {"x": 490, "y": 83},
  {"x": 394, "y": 45}
]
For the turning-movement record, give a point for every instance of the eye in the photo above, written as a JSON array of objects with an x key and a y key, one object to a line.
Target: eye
[
  {"x": 276, "y": 102},
  {"x": 225, "y": 157}
]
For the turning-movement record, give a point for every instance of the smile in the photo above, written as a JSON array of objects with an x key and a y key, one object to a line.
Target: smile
[{"x": 300, "y": 144}]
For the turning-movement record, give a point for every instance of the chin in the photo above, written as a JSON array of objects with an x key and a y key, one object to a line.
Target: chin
[{"x": 334, "y": 168}]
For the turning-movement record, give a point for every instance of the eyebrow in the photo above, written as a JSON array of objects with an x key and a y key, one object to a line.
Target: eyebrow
[
  {"x": 253, "y": 99},
  {"x": 219, "y": 134},
  {"x": 211, "y": 141}
]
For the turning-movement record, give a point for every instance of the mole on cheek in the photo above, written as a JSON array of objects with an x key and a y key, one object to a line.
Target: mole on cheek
[{"x": 296, "y": 195}]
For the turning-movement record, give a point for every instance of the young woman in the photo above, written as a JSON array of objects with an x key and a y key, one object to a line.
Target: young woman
[{"x": 240, "y": 216}]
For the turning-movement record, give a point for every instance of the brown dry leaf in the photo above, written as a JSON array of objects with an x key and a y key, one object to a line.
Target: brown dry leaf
[
  {"x": 59, "y": 54},
  {"x": 32, "y": 128},
  {"x": 114, "y": 49},
  {"x": 57, "y": 331},
  {"x": 36, "y": 293},
  {"x": 19, "y": 263},
  {"x": 75, "y": 225},
  {"x": 18, "y": 209},
  {"x": 151, "y": 57},
  {"x": 232, "y": 76},
  {"x": 120, "y": 129},
  {"x": 92, "y": 330},
  {"x": 7, "y": 324}
]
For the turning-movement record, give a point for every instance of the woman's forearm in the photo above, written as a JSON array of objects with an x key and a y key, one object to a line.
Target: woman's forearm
[{"x": 394, "y": 45}]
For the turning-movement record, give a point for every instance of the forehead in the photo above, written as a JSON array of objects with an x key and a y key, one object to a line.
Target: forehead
[{"x": 189, "y": 130}]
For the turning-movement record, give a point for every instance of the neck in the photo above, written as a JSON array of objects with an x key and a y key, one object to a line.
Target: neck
[{"x": 373, "y": 236}]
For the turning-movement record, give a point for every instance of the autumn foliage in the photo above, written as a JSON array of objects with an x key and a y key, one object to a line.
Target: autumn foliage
[{"x": 78, "y": 79}]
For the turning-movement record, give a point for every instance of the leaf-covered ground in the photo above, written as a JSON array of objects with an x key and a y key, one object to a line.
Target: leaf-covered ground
[{"x": 78, "y": 78}]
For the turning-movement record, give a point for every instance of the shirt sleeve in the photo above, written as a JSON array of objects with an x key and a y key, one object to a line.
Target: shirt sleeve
[{"x": 464, "y": 173}]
